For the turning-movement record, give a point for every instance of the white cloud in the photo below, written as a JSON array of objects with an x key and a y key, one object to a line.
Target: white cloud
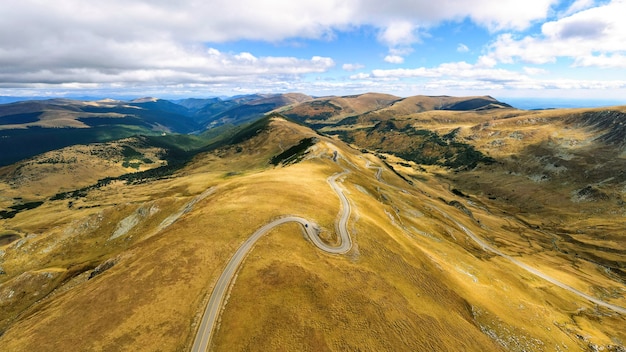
[
  {"x": 182, "y": 65},
  {"x": 352, "y": 67},
  {"x": 495, "y": 15},
  {"x": 578, "y": 6},
  {"x": 394, "y": 59},
  {"x": 534, "y": 71},
  {"x": 245, "y": 57},
  {"x": 404, "y": 73},
  {"x": 592, "y": 37},
  {"x": 361, "y": 76},
  {"x": 462, "y": 48},
  {"x": 486, "y": 61},
  {"x": 501, "y": 15},
  {"x": 120, "y": 38},
  {"x": 462, "y": 76},
  {"x": 396, "y": 55},
  {"x": 602, "y": 60},
  {"x": 149, "y": 43},
  {"x": 398, "y": 34}
]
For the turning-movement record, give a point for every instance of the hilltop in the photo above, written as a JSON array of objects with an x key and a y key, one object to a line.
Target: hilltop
[{"x": 474, "y": 226}]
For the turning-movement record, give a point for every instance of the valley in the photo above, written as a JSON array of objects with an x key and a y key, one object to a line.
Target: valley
[{"x": 368, "y": 222}]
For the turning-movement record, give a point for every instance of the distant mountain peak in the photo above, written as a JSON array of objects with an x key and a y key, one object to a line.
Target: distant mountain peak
[
  {"x": 145, "y": 100},
  {"x": 108, "y": 101}
]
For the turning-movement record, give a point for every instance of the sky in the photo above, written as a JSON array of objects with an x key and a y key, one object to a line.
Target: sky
[{"x": 193, "y": 48}]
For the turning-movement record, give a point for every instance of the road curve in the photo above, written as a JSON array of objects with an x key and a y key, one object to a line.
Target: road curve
[
  {"x": 341, "y": 226},
  {"x": 216, "y": 301},
  {"x": 488, "y": 248},
  {"x": 379, "y": 170}
]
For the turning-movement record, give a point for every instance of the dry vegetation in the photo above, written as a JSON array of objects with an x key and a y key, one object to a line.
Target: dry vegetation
[
  {"x": 74, "y": 167},
  {"x": 333, "y": 109},
  {"x": 413, "y": 280}
]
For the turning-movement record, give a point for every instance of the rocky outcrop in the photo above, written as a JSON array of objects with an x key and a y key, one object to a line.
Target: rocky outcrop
[{"x": 103, "y": 267}]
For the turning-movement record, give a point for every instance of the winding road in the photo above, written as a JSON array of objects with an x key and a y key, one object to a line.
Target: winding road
[
  {"x": 530, "y": 269},
  {"x": 225, "y": 281},
  {"x": 486, "y": 247},
  {"x": 217, "y": 299}
]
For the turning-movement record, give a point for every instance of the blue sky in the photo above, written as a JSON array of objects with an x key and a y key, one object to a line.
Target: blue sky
[{"x": 508, "y": 48}]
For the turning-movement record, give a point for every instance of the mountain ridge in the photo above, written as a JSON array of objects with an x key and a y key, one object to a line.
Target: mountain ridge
[
  {"x": 103, "y": 225},
  {"x": 58, "y": 119}
]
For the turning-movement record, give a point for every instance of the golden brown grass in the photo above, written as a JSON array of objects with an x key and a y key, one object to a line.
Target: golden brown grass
[
  {"x": 422, "y": 293},
  {"x": 341, "y": 107},
  {"x": 413, "y": 280},
  {"x": 68, "y": 169}
]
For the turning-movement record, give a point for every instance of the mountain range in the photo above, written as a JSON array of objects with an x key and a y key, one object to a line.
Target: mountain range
[{"x": 471, "y": 225}]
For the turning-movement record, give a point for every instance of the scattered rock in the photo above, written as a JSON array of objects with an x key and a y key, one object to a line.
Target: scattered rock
[
  {"x": 459, "y": 193},
  {"x": 589, "y": 194},
  {"x": 497, "y": 143},
  {"x": 539, "y": 178},
  {"x": 133, "y": 220},
  {"x": 103, "y": 267},
  {"x": 462, "y": 208}
]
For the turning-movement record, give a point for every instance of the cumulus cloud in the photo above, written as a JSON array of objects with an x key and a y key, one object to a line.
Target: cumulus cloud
[
  {"x": 577, "y": 6},
  {"x": 463, "y": 76},
  {"x": 495, "y": 15},
  {"x": 405, "y": 73},
  {"x": 398, "y": 34},
  {"x": 453, "y": 70},
  {"x": 486, "y": 61},
  {"x": 534, "y": 71},
  {"x": 394, "y": 59},
  {"x": 352, "y": 67},
  {"x": 517, "y": 15},
  {"x": 583, "y": 28},
  {"x": 360, "y": 76},
  {"x": 85, "y": 42},
  {"x": 462, "y": 48},
  {"x": 591, "y": 37},
  {"x": 142, "y": 44},
  {"x": 602, "y": 60},
  {"x": 179, "y": 65}
]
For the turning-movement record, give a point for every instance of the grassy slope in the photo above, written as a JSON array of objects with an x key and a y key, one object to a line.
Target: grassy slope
[
  {"x": 84, "y": 233},
  {"x": 558, "y": 177},
  {"x": 412, "y": 282},
  {"x": 333, "y": 109},
  {"x": 26, "y": 143},
  {"x": 426, "y": 298}
]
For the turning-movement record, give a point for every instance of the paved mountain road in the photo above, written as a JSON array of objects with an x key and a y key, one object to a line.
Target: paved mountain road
[
  {"x": 486, "y": 247},
  {"x": 217, "y": 299}
]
